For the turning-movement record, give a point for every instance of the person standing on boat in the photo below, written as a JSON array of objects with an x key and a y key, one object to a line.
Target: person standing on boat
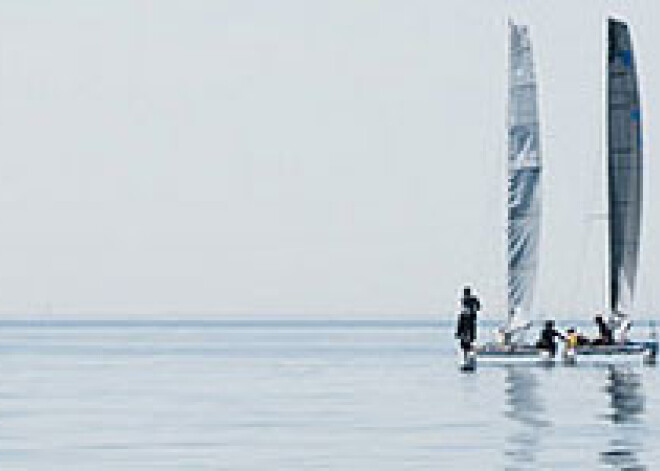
[
  {"x": 466, "y": 328},
  {"x": 547, "y": 338}
]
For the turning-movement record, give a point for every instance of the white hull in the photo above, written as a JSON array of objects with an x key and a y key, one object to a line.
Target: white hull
[
  {"x": 631, "y": 353},
  {"x": 491, "y": 354}
]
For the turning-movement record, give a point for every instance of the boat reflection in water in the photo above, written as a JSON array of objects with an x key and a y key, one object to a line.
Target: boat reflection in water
[
  {"x": 624, "y": 387},
  {"x": 528, "y": 417}
]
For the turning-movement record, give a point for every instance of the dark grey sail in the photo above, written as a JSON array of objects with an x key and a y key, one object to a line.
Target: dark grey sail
[
  {"x": 624, "y": 150},
  {"x": 524, "y": 174}
]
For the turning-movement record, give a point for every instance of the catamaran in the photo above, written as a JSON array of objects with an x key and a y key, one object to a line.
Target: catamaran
[
  {"x": 524, "y": 202},
  {"x": 624, "y": 171},
  {"x": 625, "y": 167}
]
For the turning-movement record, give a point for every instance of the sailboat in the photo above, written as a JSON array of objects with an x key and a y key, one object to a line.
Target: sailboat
[
  {"x": 524, "y": 170},
  {"x": 624, "y": 171}
]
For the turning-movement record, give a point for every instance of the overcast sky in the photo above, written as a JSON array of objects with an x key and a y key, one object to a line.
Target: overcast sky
[{"x": 300, "y": 157}]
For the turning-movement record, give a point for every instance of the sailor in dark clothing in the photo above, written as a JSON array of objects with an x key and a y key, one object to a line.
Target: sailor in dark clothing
[
  {"x": 546, "y": 340},
  {"x": 605, "y": 336},
  {"x": 470, "y": 302},
  {"x": 466, "y": 328}
]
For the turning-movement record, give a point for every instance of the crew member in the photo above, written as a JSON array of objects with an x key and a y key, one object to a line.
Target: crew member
[
  {"x": 466, "y": 328},
  {"x": 605, "y": 336},
  {"x": 547, "y": 337}
]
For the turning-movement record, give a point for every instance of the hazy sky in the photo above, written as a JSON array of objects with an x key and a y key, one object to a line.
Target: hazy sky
[{"x": 298, "y": 157}]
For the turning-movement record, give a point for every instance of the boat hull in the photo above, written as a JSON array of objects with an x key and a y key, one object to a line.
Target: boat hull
[
  {"x": 645, "y": 351},
  {"x": 631, "y": 352},
  {"x": 521, "y": 354}
]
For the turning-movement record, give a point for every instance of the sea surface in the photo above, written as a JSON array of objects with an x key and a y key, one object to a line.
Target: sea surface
[{"x": 305, "y": 395}]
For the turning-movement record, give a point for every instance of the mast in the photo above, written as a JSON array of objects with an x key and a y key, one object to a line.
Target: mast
[
  {"x": 524, "y": 173},
  {"x": 624, "y": 157}
]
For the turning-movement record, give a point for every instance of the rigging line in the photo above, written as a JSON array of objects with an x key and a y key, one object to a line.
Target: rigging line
[{"x": 595, "y": 195}]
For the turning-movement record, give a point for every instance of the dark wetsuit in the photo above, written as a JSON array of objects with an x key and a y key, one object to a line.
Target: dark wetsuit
[
  {"x": 547, "y": 340},
  {"x": 466, "y": 329},
  {"x": 606, "y": 337}
]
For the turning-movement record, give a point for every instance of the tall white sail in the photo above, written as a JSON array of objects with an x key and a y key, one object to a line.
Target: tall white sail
[
  {"x": 524, "y": 173},
  {"x": 624, "y": 152}
]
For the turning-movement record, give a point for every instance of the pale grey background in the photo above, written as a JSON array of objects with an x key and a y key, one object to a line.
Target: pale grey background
[{"x": 299, "y": 157}]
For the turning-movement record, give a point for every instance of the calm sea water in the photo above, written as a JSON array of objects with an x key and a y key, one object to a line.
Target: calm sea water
[{"x": 295, "y": 395}]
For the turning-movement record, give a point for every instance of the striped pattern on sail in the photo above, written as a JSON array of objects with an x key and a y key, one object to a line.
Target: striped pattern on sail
[
  {"x": 524, "y": 173},
  {"x": 624, "y": 149}
]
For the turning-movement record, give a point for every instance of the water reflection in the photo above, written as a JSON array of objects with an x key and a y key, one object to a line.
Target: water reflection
[
  {"x": 624, "y": 387},
  {"x": 528, "y": 418}
]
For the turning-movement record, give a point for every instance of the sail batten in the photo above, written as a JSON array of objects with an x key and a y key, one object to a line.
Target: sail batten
[
  {"x": 524, "y": 173},
  {"x": 624, "y": 149}
]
